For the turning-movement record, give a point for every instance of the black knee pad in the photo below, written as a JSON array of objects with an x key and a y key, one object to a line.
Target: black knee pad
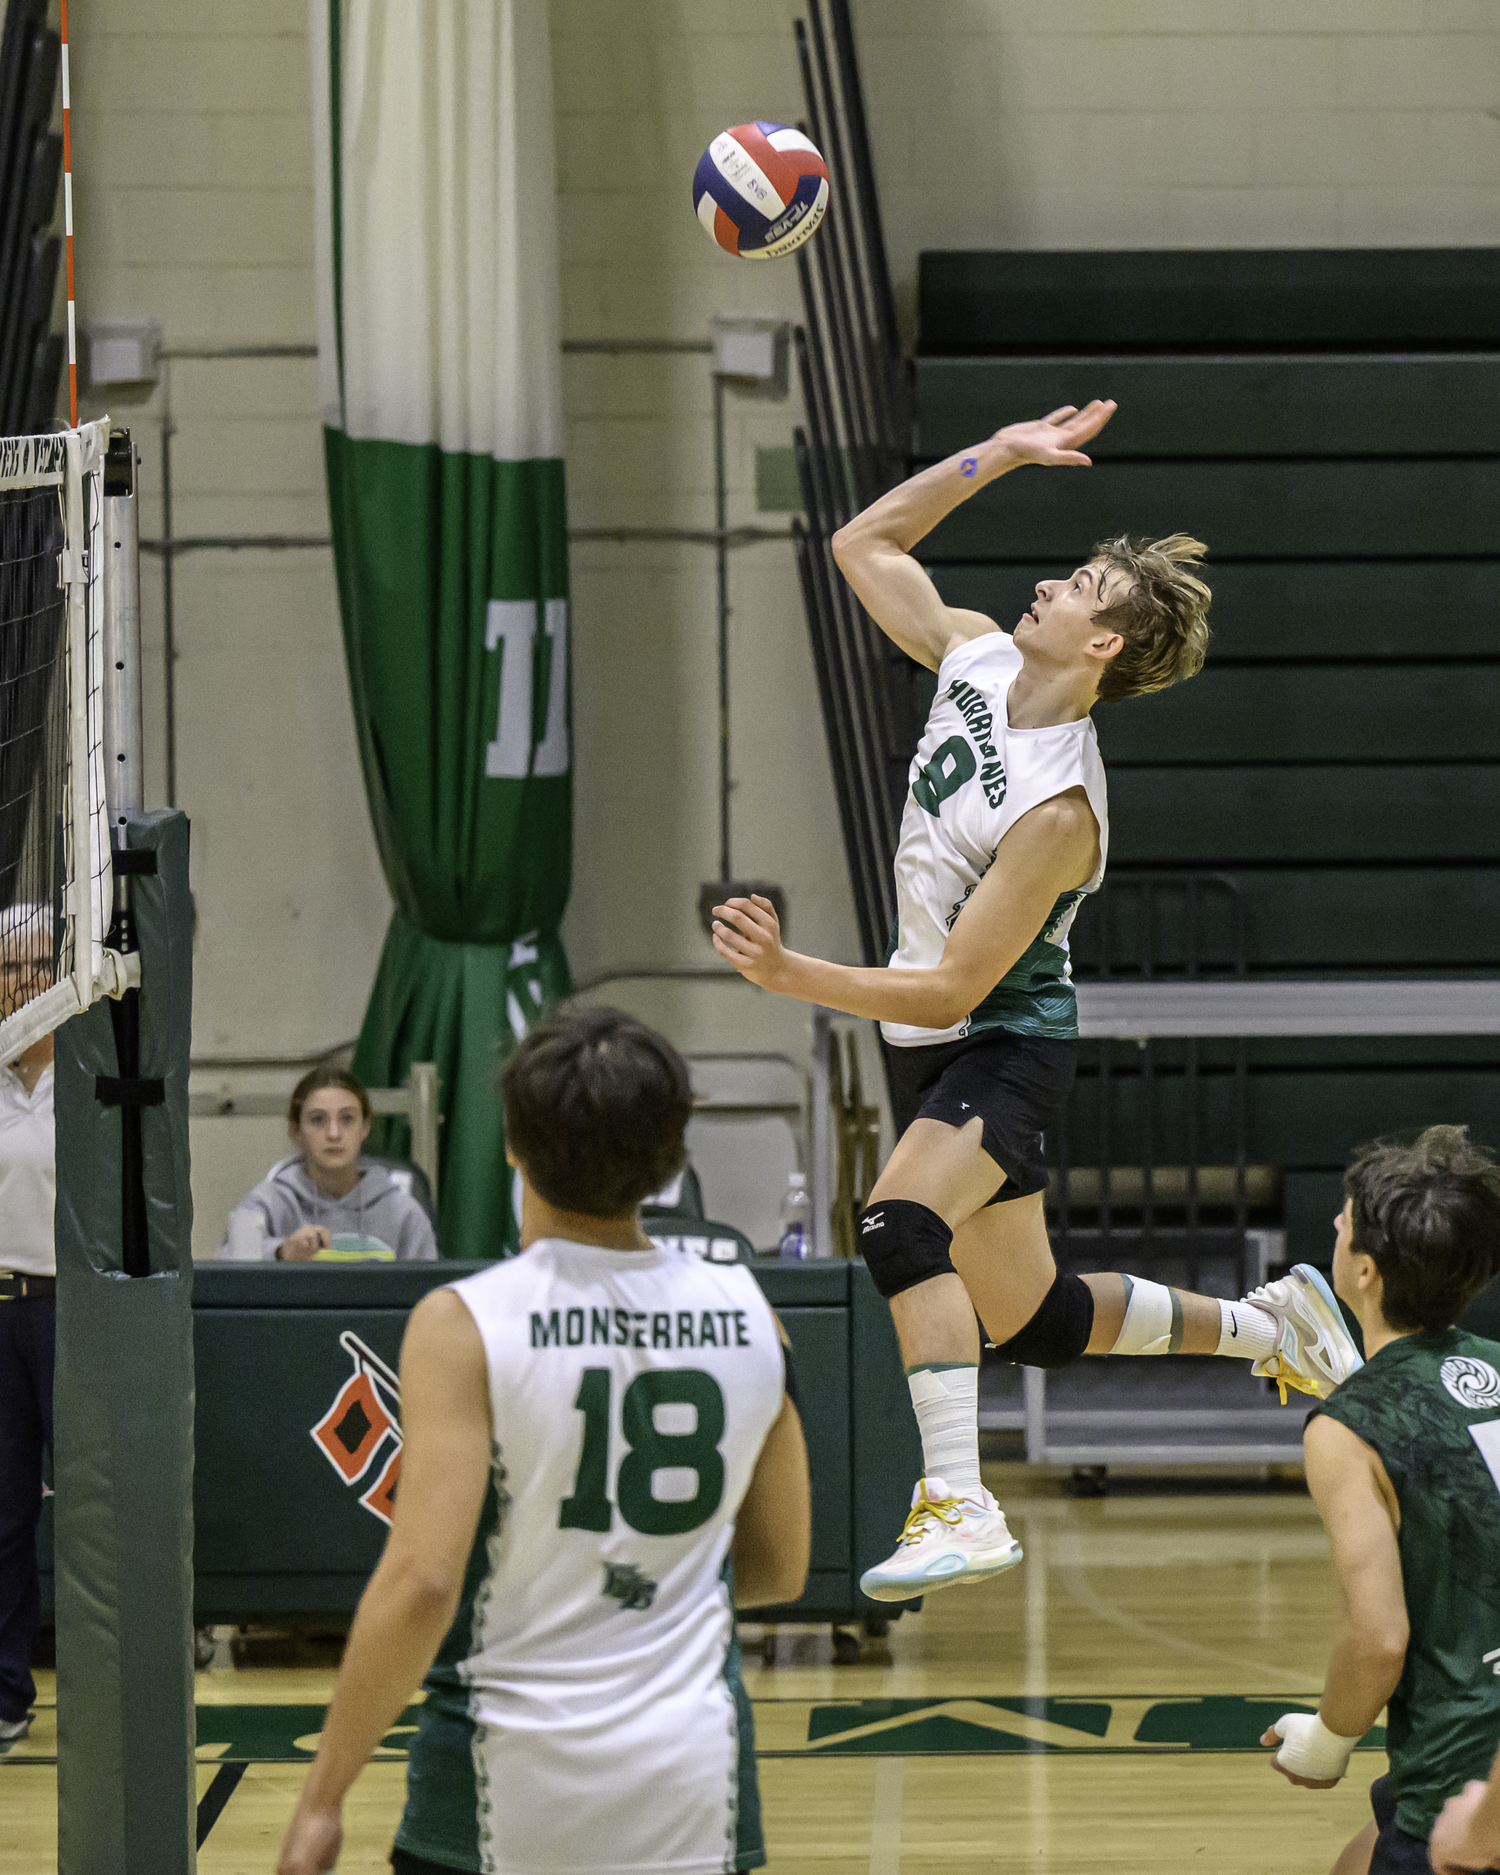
[
  {"x": 1059, "y": 1331},
  {"x": 903, "y": 1244}
]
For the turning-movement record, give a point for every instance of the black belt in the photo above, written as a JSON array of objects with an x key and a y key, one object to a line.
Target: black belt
[{"x": 16, "y": 1286}]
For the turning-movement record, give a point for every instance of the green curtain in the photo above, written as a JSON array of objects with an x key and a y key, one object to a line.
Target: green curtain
[{"x": 438, "y": 353}]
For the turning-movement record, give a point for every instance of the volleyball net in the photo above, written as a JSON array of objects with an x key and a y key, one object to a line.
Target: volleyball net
[{"x": 56, "y": 889}]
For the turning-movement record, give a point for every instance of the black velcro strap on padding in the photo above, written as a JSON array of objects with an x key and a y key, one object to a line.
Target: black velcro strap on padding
[
  {"x": 112, "y": 1092},
  {"x": 134, "y": 862},
  {"x": 1059, "y": 1331},
  {"x": 903, "y": 1244}
]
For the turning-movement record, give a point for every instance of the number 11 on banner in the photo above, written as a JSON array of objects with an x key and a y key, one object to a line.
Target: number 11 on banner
[{"x": 512, "y": 625}]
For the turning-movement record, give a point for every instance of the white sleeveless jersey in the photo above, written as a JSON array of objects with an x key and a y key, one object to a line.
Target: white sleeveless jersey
[
  {"x": 972, "y": 779},
  {"x": 585, "y": 1713}
]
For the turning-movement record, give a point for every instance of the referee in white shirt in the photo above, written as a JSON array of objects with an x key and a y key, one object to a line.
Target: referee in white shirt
[{"x": 28, "y": 1308}]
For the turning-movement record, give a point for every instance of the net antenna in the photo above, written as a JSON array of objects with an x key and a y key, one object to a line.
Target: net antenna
[
  {"x": 67, "y": 117},
  {"x": 56, "y": 881}
]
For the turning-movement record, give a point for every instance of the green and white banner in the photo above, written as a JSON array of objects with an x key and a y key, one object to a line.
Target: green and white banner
[{"x": 438, "y": 345}]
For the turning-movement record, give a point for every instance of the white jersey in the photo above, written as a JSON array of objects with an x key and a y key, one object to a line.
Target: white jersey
[
  {"x": 585, "y": 1713},
  {"x": 972, "y": 779}
]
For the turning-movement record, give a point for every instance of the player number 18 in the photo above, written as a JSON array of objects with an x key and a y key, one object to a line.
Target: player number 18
[{"x": 647, "y": 1451}]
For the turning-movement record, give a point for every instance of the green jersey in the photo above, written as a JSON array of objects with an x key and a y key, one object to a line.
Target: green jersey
[{"x": 1429, "y": 1405}]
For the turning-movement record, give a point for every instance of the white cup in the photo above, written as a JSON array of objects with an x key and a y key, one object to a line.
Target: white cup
[{"x": 247, "y": 1237}]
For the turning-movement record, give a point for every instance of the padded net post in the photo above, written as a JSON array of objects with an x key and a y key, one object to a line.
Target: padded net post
[{"x": 124, "y": 1402}]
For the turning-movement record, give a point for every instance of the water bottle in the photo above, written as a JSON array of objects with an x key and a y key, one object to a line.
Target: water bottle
[{"x": 796, "y": 1220}]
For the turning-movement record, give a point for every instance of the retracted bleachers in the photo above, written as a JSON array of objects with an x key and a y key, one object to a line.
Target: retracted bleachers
[{"x": 1329, "y": 423}]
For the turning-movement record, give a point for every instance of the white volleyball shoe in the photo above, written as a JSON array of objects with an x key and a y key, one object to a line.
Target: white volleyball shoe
[
  {"x": 946, "y": 1540},
  {"x": 1315, "y": 1353}
]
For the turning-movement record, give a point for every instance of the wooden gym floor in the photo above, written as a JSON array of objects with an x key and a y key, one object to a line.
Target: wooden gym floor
[{"x": 1094, "y": 1709}]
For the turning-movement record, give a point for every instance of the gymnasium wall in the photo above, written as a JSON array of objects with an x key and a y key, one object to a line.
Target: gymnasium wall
[{"x": 1111, "y": 123}]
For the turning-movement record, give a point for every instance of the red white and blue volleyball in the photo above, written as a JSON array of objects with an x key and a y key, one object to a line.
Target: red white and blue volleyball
[{"x": 760, "y": 190}]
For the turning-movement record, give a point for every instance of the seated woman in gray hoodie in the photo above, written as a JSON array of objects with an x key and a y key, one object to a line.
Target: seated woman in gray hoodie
[{"x": 328, "y": 1202}]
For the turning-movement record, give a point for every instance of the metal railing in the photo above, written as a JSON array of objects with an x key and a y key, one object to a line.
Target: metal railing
[
  {"x": 1113, "y": 1202},
  {"x": 1178, "y": 927},
  {"x": 818, "y": 1144}
]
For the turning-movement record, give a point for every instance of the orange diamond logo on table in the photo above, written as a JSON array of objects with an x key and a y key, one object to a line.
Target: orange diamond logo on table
[{"x": 363, "y": 1421}]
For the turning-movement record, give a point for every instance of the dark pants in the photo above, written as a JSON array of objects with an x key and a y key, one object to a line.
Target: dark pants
[
  {"x": 28, "y": 1341},
  {"x": 1395, "y": 1852}
]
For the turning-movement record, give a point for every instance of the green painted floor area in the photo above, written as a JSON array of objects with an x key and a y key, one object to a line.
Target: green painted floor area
[
  {"x": 1142, "y": 1724},
  {"x": 1133, "y": 1723}
]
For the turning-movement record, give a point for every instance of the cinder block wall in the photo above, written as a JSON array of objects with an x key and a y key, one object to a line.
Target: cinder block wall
[
  {"x": 996, "y": 122},
  {"x": 1185, "y": 123}
]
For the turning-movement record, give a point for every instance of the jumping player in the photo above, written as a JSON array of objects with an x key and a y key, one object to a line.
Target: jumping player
[
  {"x": 1005, "y": 830},
  {"x": 1404, "y": 1462},
  {"x": 600, "y": 1450}
]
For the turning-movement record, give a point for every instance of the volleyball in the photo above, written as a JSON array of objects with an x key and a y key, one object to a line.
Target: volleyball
[{"x": 760, "y": 190}]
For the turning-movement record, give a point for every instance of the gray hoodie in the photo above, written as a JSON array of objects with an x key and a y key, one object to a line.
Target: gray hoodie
[{"x": 380, "y": 1206}]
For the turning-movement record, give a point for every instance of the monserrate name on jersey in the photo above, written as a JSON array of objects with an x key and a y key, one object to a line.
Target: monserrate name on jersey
[{"x": 636, "y": 1328}]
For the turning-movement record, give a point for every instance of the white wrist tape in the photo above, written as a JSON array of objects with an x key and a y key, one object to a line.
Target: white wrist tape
[
  {"x": 1308, "y": 1747},
  {"x": 1153, "y": 1317}
]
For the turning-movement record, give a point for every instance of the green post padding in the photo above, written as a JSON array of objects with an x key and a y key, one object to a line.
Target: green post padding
[{"x": 124, "y": 1421}]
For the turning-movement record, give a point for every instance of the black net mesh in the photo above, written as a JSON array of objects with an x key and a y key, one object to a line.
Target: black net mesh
[{"x": 33, "y": 746}]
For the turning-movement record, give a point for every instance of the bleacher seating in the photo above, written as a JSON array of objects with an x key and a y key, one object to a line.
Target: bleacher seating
[{"x": 1329, "y": 422}]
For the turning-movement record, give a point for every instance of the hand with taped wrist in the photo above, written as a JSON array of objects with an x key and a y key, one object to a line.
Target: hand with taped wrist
[{"x": 1309, "y": 1754}]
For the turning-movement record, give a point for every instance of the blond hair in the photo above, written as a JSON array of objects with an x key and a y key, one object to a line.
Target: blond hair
[{"x": 1162, "y": 614}]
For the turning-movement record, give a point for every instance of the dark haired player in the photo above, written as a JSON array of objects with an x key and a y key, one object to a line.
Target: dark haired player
[
  {"x": 1404, "y": 1463},
  {"x": 1005, "y": 831},
  {"x": 600, "y": 1449}
]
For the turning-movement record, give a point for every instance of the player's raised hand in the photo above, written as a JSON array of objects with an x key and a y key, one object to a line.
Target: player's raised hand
[
  {"x": 747, "y": 934},
  {"x": 1056, "y": 440}
]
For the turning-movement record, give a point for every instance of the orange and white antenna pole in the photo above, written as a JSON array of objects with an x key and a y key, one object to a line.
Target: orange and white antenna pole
[{"x": 68, "y": 225}]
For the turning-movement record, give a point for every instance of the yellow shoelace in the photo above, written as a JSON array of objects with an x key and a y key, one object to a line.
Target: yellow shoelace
[
  {"x": 912, "y": 1530},
  {"x": 1285, "y": 1377}
]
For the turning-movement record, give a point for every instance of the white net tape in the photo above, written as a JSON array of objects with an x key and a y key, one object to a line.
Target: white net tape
[{"x": 55, "y": 880}]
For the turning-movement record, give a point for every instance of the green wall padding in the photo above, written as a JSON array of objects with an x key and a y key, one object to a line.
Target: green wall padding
[{"x": 124, "y": 1421}]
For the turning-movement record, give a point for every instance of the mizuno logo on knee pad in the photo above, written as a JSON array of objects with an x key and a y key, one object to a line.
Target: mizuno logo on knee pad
[{"x": 904, "y": 1244}]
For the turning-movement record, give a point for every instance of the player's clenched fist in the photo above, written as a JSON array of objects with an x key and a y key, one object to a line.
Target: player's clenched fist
[
  {"x": 747, "y": 934},
  {"x": 312, "y": 1843}
]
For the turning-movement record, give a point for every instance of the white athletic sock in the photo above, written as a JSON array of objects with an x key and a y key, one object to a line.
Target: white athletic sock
[
  {"x": 1246, "y": 1331},
  {"x": 945, "y": 1396},
  {"x": 1153, "y": 1324}
]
